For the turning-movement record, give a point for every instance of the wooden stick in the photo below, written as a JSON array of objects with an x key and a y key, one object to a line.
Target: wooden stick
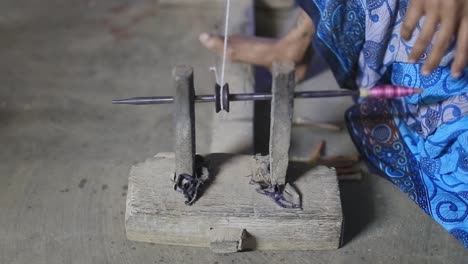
[
  {"x": 339, "y": 161},
  {"x": 302, "y": 121},
  {"x": 317, "y": 153},
  {"x": 347, "y": 170}
]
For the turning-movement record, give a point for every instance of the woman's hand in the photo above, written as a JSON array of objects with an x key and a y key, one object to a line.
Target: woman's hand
[{"x": 452, "y": 16}]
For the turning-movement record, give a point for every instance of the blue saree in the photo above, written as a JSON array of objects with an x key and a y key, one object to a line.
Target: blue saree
[{"x": 419, "y": 143}]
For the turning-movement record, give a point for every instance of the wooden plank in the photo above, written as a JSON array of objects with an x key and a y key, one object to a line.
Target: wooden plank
[
  {"x": 184, "y": 120},
  {"x": 155, "y": 213},
  {"x": 282, "y": 111}
]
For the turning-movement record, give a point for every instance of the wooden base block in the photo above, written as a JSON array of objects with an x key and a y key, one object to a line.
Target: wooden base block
[{"x": 156, "y": 213}]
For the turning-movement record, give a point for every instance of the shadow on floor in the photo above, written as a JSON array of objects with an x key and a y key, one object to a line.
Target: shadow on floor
[{"x": 358, "y": 207}]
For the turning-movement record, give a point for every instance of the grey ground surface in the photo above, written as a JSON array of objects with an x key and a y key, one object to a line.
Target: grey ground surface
[{"x": 66, "y": 150}]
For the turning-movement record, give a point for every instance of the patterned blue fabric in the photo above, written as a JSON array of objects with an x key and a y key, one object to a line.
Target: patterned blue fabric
[
  {"x": 419, "y": 143},
  {"x": 330, "y": 17}
]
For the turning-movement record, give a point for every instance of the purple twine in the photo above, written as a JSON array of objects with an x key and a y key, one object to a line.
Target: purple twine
[
  {"x": 266, "y": 187},
  {"x": 191, "y": 185},
  {"x": 276, "y": 194}
]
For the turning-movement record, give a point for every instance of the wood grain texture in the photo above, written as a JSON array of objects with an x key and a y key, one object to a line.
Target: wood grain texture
[
  {"x": 184, "y": 120},
  {"x": 282, "y": 111},
  {"x": 156, "y": 213}
]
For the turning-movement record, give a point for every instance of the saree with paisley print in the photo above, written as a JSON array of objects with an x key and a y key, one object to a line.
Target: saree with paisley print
[{"x": 419, "y": 143}]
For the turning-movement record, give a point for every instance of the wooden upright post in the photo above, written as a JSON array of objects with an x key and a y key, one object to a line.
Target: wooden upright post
[
  {"x": 282, "y": 111},
  {"x": 184, "y": 120}
]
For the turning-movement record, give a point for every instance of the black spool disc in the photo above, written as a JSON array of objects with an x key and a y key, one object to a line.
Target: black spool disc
[
  {"x": 225, "y": 98},
  {"x": 218, "y": 98}
]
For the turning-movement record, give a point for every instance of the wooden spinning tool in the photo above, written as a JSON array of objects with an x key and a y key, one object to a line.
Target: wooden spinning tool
[{"x": 233, "y": 202}]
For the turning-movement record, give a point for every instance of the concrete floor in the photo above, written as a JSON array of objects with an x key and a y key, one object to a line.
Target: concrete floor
[{"x": 66, "y": 150}]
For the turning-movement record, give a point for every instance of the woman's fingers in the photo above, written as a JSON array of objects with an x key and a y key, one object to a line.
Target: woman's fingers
[
  {"x": 212, "y": 42},
  {"x": 413, "y": 15},
  {"x": 461, "y": 55},
  {"x": 425, "y": 37},
  {"x": 453, "y": 18},
  {"x": 443, "y": 40}
]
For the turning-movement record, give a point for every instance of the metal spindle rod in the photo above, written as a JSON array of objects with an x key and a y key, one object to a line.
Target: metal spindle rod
[{"x": 234, "y": 97}]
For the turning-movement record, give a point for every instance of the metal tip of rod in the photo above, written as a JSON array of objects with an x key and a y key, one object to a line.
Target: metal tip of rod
[
  {"x": 145, "y": 100},
  {"x": 119, "y": 101},
  {"x": 130, "y": 101}
]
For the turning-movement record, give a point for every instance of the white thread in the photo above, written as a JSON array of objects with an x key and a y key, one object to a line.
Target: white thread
[
  {"x": 226, "y": 31},
  {"x": 220, "y": 81},
  {"x": 215, "y": 71}
]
